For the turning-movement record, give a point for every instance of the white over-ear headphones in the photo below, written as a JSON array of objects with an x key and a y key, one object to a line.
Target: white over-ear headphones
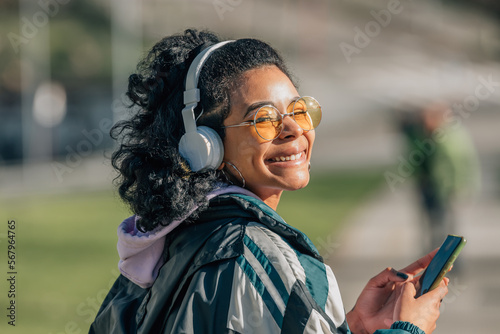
[{"x": 201, "y": 146}]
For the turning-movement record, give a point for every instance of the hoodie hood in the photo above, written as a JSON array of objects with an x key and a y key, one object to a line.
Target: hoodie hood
[{"x": 141, "y": 253}]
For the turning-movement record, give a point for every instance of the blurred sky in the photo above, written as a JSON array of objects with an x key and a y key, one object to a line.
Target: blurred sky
[{"x": 64, "y": 65}]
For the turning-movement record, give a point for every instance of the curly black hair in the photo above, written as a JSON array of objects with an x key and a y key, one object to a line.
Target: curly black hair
[{"x": 154, "y": 180}]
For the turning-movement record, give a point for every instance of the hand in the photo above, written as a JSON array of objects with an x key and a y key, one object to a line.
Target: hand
[
  {"x": 423, "y": 312},
  {"x": 375, "y": 307}
]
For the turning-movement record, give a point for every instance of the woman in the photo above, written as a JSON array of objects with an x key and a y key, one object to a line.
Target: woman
[{"x": 206, "y": 251}]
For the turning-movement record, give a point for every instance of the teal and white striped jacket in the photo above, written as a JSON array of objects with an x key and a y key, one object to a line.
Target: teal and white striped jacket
[{"x": 238, "y": 269}]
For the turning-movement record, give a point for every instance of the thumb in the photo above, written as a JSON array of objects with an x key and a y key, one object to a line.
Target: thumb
[
  {"x": 388, "y": 275},
  {"x": 401, "y": 276}
]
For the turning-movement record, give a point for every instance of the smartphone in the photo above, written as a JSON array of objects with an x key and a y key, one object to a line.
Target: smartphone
[{"x": 440, "y": 264}]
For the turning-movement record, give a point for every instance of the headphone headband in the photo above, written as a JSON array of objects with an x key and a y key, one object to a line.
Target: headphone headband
[
  {"x": 200, "y": 146},
  {"x": 191, "y": 92}
]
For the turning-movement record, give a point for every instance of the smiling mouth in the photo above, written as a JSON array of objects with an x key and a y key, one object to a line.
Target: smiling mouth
[{"x": 287, "y": 158}]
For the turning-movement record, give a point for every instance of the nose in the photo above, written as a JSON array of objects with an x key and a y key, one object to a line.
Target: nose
[{"x": 290, "y": 128}]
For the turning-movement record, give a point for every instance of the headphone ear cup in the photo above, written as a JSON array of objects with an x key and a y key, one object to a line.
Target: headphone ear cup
[
  {"x": 202, "y": 149},
  {"x": 216, "y": 147}
]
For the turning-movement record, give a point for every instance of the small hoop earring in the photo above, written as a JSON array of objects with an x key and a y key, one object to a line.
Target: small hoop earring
[
  {"x": 239, "y": 173},
  {"x": 309, "y": 167}
]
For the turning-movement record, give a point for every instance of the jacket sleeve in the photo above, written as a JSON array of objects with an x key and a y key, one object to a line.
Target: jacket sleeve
[{"x": 401, "y": 327}]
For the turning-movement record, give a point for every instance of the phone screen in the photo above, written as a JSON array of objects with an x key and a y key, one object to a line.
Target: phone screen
[{"x": 440, "y": 264}]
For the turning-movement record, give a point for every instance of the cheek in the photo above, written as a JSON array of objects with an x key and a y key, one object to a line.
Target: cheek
[
  {"x": 311, "y": 136},
  {"x": 241, "y": 148}
]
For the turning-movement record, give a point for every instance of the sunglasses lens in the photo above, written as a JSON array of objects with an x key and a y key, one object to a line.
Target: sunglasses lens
[
  {"x": 307, "y": 113},
  {"x": 268, "y": 123}
]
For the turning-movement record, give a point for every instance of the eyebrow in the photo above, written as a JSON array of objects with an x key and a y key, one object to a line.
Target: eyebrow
[{"x": 257, "y": 105}]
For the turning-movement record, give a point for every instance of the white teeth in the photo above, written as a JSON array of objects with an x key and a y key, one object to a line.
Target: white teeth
[{"x": 288, "y": 158}]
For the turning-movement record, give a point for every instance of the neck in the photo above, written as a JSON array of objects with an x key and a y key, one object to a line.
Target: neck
[{"x": 271, "y": 198}]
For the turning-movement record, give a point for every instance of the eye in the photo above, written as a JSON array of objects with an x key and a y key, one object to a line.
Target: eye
[
  {"x": 299, "y": 106},
  {"x": 266, "y": 114},
  {"x": 263, "y": 119}
]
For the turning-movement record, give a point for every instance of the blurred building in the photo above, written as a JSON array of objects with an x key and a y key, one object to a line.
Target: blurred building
[{"x": 359, "y": 58}]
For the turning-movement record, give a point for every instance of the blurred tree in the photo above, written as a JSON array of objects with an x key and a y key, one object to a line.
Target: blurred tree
[{"x": 80, "y": 60}]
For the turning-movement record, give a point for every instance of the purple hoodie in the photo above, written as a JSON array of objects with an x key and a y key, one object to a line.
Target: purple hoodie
[{"x": 140, "y": 253}]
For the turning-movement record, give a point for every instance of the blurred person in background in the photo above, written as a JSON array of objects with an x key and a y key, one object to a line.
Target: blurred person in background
[
  {"x": 206, "y": 251},
  {"x": 446, "y": 167}
]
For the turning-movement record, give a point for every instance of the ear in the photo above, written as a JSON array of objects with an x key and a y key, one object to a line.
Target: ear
[{"x": 222, "y": 165}]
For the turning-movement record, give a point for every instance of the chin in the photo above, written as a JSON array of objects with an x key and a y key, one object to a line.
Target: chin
[{"x": 299, "y": 182}]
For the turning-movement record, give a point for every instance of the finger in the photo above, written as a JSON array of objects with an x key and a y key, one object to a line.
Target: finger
[
  {"x": 443, "y": 288},
  {"x": 388, "y": 275},
  {"x": 438, "y": 293},
  {"x": 409, "y": 290},
  {"x": 420, "y": 264},
  {"x": 399, "y": 276},
  {"x": 399, "y": 289}
]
